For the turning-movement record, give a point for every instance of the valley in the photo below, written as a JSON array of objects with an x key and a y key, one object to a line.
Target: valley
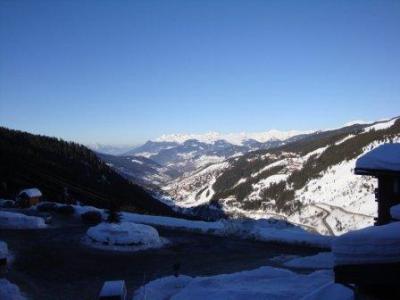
[{"x": 306, "y": 179}]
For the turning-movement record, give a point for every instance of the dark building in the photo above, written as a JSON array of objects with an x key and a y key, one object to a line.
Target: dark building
[
  {"x": 383, "y": 163},
  {"x": 376, "y": 270}
]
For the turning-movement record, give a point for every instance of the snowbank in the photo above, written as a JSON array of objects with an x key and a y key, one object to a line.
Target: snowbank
[
  {"x": 124, "y": 236},
  {"x": 261, "y": 283},
  {"x": 395, "y": 212},
  {"x": 331, "y": 291},
  {"x": 272, "y": 230},
  {"x": 267, "y": 230},
  {"x": 3, "y": 250},
  {"x": 174, "y": 223},
  {"x": 377, "y": 244},
  {"x": 12, "y": 220},
  {"x": 163, "y": 288},
  {"x": 385, "y": 157},
  {"x": 323, "y": 260},
  {"x": 9, "y": 291}
]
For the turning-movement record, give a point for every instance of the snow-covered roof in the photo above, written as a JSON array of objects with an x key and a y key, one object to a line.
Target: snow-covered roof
[
  {"x": 376, "y": 244},
  {"x": 113, "y": 288},
  {"x": 12, "y": 220},
  {"x": 385, "y": 158},
  {"x": 32, "y": 192}
]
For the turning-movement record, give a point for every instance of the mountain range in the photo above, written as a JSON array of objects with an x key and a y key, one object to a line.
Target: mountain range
[
  {"x": 306, "y": 178},
  {"x": 169, "y": 157}
]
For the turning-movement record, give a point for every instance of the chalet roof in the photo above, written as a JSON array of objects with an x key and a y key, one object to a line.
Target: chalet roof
[
  {"x": 32, "y": 192},
  {"x": 382, "y": 160}
]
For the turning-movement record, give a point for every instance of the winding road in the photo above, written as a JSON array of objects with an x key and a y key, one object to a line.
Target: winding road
[{"x": 326, "y": 215}]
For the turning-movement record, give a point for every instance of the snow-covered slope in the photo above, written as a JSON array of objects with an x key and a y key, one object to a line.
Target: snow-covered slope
[
  {"x": 309, "y": 182},
  {"x": 140, "y": 169},
  {"x": 201, "y": 181}
]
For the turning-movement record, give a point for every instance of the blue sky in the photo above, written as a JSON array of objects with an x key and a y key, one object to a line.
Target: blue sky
[{"x": 127, "y": 71}]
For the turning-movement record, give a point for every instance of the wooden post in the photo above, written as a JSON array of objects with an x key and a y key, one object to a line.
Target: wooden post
[{"x": 387, "y": 196}]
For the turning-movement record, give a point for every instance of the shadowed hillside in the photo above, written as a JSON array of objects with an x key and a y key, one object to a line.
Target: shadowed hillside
[{"x": 52, "y": 165}]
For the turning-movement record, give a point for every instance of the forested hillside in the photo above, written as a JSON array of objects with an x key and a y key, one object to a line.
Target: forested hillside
[
  {"x": 309, "y": 181},
  {"x": 51, "y": 164},
  {"x": 335, "y": 148},
  {"x": 140, "y": 169}
]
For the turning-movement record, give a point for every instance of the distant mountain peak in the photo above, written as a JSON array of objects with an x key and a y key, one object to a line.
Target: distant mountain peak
[
  {"x": 356, "y": 122},
  {"x": 233, "y": 138}
]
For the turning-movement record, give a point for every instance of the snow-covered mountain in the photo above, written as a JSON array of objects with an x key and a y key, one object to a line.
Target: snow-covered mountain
[
  {"x": 309, "y": 181},
  {"x": 233, "y": 138},
  {"x": 189, "y": 152}
]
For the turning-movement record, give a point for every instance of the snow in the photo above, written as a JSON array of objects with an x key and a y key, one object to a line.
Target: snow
[
  {"x": 137, "y": 161},
  {"x": 316, "y": 152},
  {"x": 9, "y": 291},
  {"x": 233, "y": 138},
  {"x": 355, "y": 122},
  {"x": 395, "y": 212},
  {"x": 282, "y": 162},
  {"x": 385, "y": 157},
  {"x": 146, "y": 154},
  {"x": 240, "y": 181},
  {"x": 283, "y": 232},
  {"x": 174, "y": 223},
  {"x": 11, "y": 220},
  {"x": 3, "y": 250},
  {"x": 206, "y": 160},
  {"x": 262, "y": 283},
  {"x": 32, "y": 192},
  {"x": 113, "y": 288},
  {"x": 348, "y": 199},
  {"x": 266, "y": 183},
  {"x": 123, "y": 236},
  {"x": 267, "y": 230},
  {"x": 322, "y": 260},
  {"x": 163, "y": 288},
  {"x": 381, "y": 125},
  {"x": 201, "y": 180},
  {"x": 376, "y": 244},
  {"x": 261, "y": 230},
  {"x": 344, "y": 139},
  {"x": 331, "y": 291}
]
